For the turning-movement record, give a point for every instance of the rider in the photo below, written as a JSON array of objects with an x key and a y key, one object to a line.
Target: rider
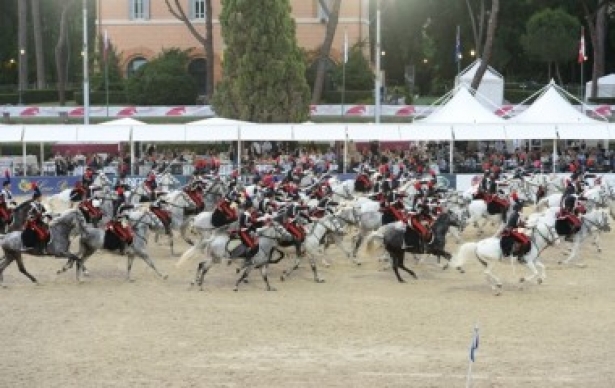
[
  {"x": 122, "y": 230},
  {"x": 513, "y": 242},
  {"x": 162, "y": 214},
  {"x": 396, "y": 206},
  {"x": 5, "y": 198},
  {"x": 6, "y": 187},
  {"x": 37, "y": 221},
  {"x": 297, "y": 209},
  {"x": 224, "y": 205},
  {"x": 420, "y": 223},
  {"x": 247, "y": 225},
  {"x": 151, "y": 185},
  {"x": 87, "y": 181}
]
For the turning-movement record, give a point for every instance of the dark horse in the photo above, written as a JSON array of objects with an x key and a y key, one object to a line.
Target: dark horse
[{"x": 393, "y": 239}]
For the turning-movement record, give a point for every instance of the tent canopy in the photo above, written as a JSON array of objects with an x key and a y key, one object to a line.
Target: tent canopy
[
  {"x": 367, "y": 132},
  {"x": 523, "y": 131},
  {"x": 159, "y": 133},
  {"x": 588, "y": 132},
  {"x": 11, "y": 133},
  {"x": 125, "y": 121},
  {"x": 490, "y": 92},
  {"x": 606, "y": 86},
  {"x": 50, "y": 133},
  {"x": 218, "y": 121},
  {"x": 462, "y": 108},
  {"x": 323, "y": 132},
  {"x": 211, "y": 133},
  {"x": 425, "y": 132},
  {"x": 263, "y": 132},
  {"x": 478, "y": 132}
]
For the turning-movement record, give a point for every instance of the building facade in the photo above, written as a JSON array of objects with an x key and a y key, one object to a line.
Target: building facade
[{"x": 140, "y": 29}]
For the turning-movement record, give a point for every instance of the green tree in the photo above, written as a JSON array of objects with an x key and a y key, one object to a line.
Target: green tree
[
  {"x": 359, "y": 75},
  {"x": 163, "y": 81},
  {"x": 552, "y": 37},
  {"x": 263, "y": 69}
]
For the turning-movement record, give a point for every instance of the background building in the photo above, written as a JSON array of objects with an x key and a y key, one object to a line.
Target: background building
[{"x": 140, "y": 29}]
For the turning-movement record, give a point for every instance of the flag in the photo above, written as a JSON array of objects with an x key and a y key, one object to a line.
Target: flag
[
  {"x": 582, "y": 57},
  {"x": 345, "y": 46},
  {"x": 474, "y": 344},
  {"x": 105, "y": 46},
  {"x": 458, "y": 45}
]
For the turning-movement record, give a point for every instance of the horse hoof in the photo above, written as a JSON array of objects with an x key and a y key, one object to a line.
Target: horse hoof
[
  {"x": 402, "y": 281},
  {"x": 165, "y": 277},
  {"x": 522, "y": 280},
  {"x": 320, "y": 280},
  {"x": 445, "y": 267},
  {"x": 59, "y": 272},
  {"x": 235, "y": 289},
  {"x": 237, "y": 270},
  {"x": 281, "y": 278},
  {"x": 271, "y": 289},
  {"x": 245, "y": 280},
  {"x": 130, "y": 280},
  {"x": 539, "y": 281}
]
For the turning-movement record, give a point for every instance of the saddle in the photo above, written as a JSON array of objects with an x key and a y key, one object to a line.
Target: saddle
[
  {"x": 220, "y": 218},
  {"x": 124, "y": 233},
  {"x": 88, "y": 208},
  {"x": 515, "y": 243},
  {"x": 297, "y": 231},
  {"x": 567, "y": 224},
  {"x": 495, "y": 204},
  {"x": 197, "y": 198},
  {"x": 6, "y": 214},
  {"x": 163, "y": 215}
]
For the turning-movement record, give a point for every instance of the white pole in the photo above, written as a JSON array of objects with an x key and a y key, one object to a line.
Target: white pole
[
  {"x": 132, "y": 154},
  {"x": 346, "y": 153},
  {"x": 469, "y": 377},
  {"x": 86, "y": 76},
  {"x": 451, "y": 157},
  {"x": 554, "y": 156},
  {"x": 42, "y": 152},
  {"x": 239, "y": 151},
  {"x": 378, "y": 69},
  {"x": 25, "y": 158}
]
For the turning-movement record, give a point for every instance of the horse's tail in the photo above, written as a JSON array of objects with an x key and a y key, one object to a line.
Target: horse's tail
[
  {"x": 190, "y": 253},
  {"x": 370, "y": 245},
  {"x": 465, "y": 252}
]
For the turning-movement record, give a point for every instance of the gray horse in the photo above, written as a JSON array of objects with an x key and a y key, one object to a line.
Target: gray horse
[
  {"x": 93, "y": 239},
  {"x": 60, "y": 229}
]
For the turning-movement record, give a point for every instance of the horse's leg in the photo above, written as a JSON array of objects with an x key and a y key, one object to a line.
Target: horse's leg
[
  {"x": 573, "y": 250},
  {"x": 170, "y": 235},
  {"x": 67, "y": 266},
  {"x": 3, "y": 264},
  {"x": 315, "y": 270},
  {"x": 530, "y": 264},
  {"x": 396, "y": 259},
  {"x": 201, "y": 271},
  {"x": 293, "y": 268},
  {"x": 183, "y": 228},
  {"x": 494, "y": 281},
  {"x": 143, "y": 255},
  {"x": 403, "y": 266},
  {"x": 22, "y": 268},
  {"x": 597, "y": 242},
  {"x": 356, "y": 243},
  {"x": 244, "y": 276},
  {"x": 264, "y": 269},
  {"x": 129, "y": 261}
]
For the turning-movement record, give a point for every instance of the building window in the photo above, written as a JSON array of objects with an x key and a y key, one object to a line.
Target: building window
[
  {"x": 138, "y": 9},
  {"x": 197, "y": 9},
  {"x": 135, "y": 65}
]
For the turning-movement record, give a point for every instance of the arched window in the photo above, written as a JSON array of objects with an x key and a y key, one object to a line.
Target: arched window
[
  {"x": 134, "y": 65},
  {"x": 198, "y": 69}
]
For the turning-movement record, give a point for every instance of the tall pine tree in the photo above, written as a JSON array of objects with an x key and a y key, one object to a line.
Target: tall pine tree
[{"x": 263, "y": 69}]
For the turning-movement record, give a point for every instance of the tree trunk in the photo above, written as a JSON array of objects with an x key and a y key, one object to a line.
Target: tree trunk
[
  {"x": 177, "y": 10},
  {"x": 325, "y": 50},
  {"x": 209, "y": 49},
  {"x": 598, "y": 38},
  {"x": 486, "y": 57},
  {"x": 477, "y": 27},
  {"x": 61, "y": 52},
  {"x": 557, "y": 74},
  {"x": 41, "y": 79},
  {"x": 22, "y": 41}
]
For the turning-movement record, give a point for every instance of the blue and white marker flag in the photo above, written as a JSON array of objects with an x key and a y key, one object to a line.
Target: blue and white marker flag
[{"x": 474, "y": 345}]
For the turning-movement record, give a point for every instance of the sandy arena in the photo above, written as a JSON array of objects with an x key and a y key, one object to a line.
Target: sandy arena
[{"x": 359, "y": 329}]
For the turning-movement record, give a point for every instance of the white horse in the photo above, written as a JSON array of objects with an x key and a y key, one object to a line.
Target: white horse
[
  {"x": 62, "y": 201},
  {"x": 593, "y": 224},
  {"x": 342, "y": 191},
  {"x": 488, "y": 253}
]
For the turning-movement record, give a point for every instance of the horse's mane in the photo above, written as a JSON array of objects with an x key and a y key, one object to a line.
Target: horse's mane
[{"x": 23, "y": 204}]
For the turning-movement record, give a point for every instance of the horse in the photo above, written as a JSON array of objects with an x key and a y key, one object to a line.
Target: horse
[
  {"x": 59, "y": 244},
  {"x": 393, "y": 236},
  {"x": 93, "y": 239},
  {"x": 594, "y": 223},
  {"x": 182, "y": 209},
  {"x": 20, "y": 214},
  {"x": 220, "y": 246},
  {"x": 342, "y": 191},
  {"x": 488, "y": 252},
  {"x": 316, "y": 235}
]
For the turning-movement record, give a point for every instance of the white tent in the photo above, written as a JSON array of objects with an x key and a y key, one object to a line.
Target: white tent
[
  {"x": 462, "y": 108},
  {"x": 218, "y": 121},
  {"x": 490, "y": 91},
  {"x": 606, "y": 87}
]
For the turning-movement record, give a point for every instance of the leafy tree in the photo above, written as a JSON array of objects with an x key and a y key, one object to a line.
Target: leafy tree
[
  {"x": 359, "y": 75},
  {"x": 263, "y": 69},
  {"x": 163, "y": 81},
  {"x": 115, "y": 76},
  {"x": 552, "y": 37}
]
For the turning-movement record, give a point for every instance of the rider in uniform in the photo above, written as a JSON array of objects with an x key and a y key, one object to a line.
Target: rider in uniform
[
  {"x": 513, "y": 241},
  {"x": 420, "y": 223},
  {"x": 87, "y": 182},
  {"x": 6, "y": 198},
  {"x": 247, "y": 225},
  {"x": 297, "y": 209},
  {"x": 119, "y": 226},
  {"x": 37, "y": 221},
  {"x": 151, "y": 184}
]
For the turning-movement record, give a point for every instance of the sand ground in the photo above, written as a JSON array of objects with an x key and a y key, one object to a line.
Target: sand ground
[{"x": 359, "y": 329}]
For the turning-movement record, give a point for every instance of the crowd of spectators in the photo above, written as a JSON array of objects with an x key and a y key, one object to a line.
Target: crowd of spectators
[{"x": 282, "y": 156}]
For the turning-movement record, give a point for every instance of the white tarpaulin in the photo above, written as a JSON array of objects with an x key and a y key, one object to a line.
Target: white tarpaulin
[
  {"x": 211, "y": 133},
  {"x": 585, "y": 131},
  {"x": 159, "y": 133},
  {"x": 530, "y": 131},
  {"x": 50, "y": 133},
  {"x": 479, "y": 132},
  {"x": 263, "y": 132},
  {"x": 426, "y": 132},
  {"x": 10, "y": 133},
  {"x": 103, "y": 134},
  {"x": 490, "y": 91},
  {"x": 322, "y": 132},
  {"x": 367, "y": 132},
  {"x": 462, "y": 108}
]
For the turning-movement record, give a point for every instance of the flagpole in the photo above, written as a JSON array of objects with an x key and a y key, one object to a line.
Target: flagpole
[
  {"x": 107, "y": 83},
  {"x": 345, "y": 59},
  {"x": 458, "y": 51},
  {"x": 86, "y": 76}
]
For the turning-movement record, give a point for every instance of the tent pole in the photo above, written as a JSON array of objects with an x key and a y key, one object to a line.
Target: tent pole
[
  {"x": 42, "y": 152},
  {"x": 554, "y": 156},
  {"x": 25, "y": 158},
  {"x": 132, "y": 154},
  {"x": 239, "y": 151},
  {"x": 451, "y": 159}
]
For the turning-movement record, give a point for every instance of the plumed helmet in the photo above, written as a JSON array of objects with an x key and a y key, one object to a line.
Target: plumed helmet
[{"x": 37, "y": 192}]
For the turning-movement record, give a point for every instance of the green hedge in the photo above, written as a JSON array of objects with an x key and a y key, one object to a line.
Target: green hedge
[
  {"x": 100, "y": 98},
  {"x": 602, "y": 100},
  {"x": 515, "y": 96},
  {"x": 350, "y": 97},
  {"x": 33, "y": 97}
]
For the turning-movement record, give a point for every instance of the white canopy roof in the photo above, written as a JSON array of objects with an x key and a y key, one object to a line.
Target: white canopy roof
[
  {"x": 211, "y": 133},
  {"x": 462, "y": 108},
  {"x": 125, "y": 121},
  {"x": 323, "y": 132},
  {"x": 262, "y": 132},
  {"x": 218, "y": 121},
  {"x": 10, "y": 133},
  {"x": 479, "y": 132},
  {"x": 491, "y": 75},
  {"x": 367, "y": 132},
  {"x": 596, "y": 131},
  {"x": 522, "y": 131},
  {"x": 50, "y": 133},
  {"x": 103, "y": 134},
  {"x": 552, "y": 108},
  {"x": 425, "y": 132},
  {"x": 159, "y": 133}
]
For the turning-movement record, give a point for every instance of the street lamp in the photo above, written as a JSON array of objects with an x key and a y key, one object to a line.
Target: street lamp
[
  {"x": 22, "y": 53},
  {"x": 472, "y": 53}
]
